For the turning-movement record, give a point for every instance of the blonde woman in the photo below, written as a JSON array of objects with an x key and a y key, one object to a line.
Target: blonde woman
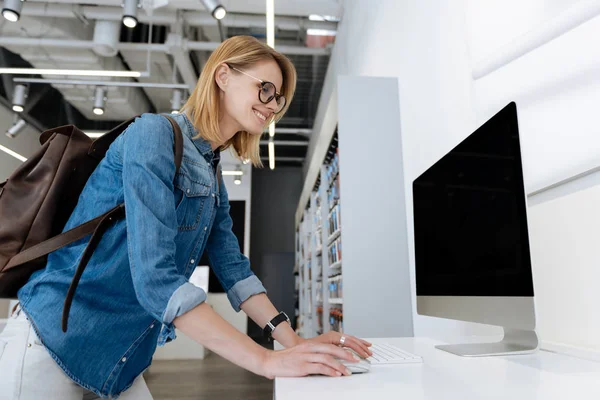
[{"x": 135, "y": 289}]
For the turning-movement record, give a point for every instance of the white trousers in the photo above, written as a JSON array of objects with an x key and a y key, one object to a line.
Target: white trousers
[{"x": 28, "y": 372}]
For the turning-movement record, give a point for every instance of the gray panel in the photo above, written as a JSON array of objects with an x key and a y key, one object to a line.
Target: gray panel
[
  {"x": 377, "y": 295},
  {"x": 509, "y": 312}
]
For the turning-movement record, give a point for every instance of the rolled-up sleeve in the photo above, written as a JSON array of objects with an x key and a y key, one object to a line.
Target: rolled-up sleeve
[
  {"x": 148, "y": 174},
  {"x": 231, "y": 267}
]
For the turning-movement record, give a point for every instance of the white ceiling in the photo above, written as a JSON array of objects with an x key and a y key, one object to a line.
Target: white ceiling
[{"x": 282, "y": 7}]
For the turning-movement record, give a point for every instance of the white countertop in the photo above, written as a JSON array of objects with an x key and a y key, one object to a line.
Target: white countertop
[{"x": 442, "y": 375}]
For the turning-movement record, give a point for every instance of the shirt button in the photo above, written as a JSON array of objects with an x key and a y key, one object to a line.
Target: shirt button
[
  {"x": 188, "y": 190},
  {"x": 124, "y": 359},
  {"x": 206, "y": 227},
  {"x": 213, "y": 195},
  {"x": 192, "y": 261},
  {"x": 151, "y": 326}
]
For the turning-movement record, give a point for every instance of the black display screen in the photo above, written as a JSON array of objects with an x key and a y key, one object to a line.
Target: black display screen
[{"x": 470, "y": 217}]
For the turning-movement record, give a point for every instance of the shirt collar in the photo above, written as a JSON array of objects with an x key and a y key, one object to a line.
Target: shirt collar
[{"x": 203, "y": 145}]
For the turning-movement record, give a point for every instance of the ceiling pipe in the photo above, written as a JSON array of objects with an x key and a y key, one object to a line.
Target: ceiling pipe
[
  {"x": 102, "y": 83},
  {"x": 186, "y": 45}
]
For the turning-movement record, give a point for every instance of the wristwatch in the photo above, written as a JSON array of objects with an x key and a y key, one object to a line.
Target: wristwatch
[{"x": 268, "y": 330}]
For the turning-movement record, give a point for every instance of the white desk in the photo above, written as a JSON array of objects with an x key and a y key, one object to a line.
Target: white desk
[{"x": 442, "y": 375}]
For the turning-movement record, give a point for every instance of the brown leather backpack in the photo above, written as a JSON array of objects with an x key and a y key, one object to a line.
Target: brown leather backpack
[{"x": 38, "y": 198}]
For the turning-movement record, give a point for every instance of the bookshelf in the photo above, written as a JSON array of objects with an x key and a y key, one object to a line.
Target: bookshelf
[{"x": 358, "y": 200}]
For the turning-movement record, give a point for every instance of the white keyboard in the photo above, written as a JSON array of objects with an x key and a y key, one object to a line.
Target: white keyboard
[{"x": 385, "y": 353}]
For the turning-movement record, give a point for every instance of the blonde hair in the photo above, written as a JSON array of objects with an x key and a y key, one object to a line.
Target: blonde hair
[{"x": 203, "y": 105}]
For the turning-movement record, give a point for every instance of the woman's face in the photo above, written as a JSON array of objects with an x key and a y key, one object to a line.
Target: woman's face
[{"x": 239, "y": 95}]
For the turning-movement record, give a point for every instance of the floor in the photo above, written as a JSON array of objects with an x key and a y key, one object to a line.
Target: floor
[{"x": 213, "y": 378}]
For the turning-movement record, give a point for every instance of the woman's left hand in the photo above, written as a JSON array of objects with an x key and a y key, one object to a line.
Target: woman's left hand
[{"x": 358, "y": 345}]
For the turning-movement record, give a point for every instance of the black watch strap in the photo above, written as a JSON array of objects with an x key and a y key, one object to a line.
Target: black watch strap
[{"x": 268, "y": 330}]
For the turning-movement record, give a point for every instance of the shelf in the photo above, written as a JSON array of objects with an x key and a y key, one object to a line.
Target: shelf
[
  {"x": 334, "y": 278},
  {"x": 336, "y": 265},
  {"x": 334, "y": 236},
  {"x": 336, "y": 301},
  {"x": 333, "y": 204},
  {"x": 332, "y": 180},
  {"x": 319, "y": 251}
]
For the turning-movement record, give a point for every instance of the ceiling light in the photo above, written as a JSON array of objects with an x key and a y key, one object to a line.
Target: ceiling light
[
  {"x": 271, "y": 154},
  {"x": 215, "y": 8},
  {"x": 130, "y": 13},
  {"x": 11, "y": 10},
  {"x": 237, "y": 180},
  {"x": 219, "y": 12},
  {"x": 14, "y": 130},
  {"x": 19, "y": 96},
  {"x": 99, "y": 100},
  {"x": 12, "y": 153},
  {"x": 70, "y": 72},
  {"x": 176, "y": 101},
  {"x": 320, "y": 32}
]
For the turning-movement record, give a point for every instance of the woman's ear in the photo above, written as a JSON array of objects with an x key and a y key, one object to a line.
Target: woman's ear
[{"x": 222, "y": 76}]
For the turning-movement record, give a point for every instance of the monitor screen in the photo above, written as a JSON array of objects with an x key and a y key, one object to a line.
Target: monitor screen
[{"x": 470, "y": 217}]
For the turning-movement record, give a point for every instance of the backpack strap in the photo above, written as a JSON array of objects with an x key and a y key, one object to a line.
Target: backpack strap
[{"x": 178, "y": 142}]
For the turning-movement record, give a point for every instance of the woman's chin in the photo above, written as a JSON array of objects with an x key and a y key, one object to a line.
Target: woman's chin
[{"x": 255, "y": 130}]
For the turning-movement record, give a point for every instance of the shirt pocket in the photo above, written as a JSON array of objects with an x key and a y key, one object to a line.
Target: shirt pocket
[{"x": 192, "y": 191}]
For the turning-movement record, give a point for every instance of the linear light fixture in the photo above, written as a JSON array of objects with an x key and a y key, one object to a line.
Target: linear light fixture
[
  {"x": 12, "y": 153},
  {"x": 271, "y": 154},
  {"x": 232, "y": 173},
  {"x": 70, "y": 72},
  {"x": 271, "y": 23},
  {"x": 271, "y": 43},
  {"x": 94, "y": 134}
]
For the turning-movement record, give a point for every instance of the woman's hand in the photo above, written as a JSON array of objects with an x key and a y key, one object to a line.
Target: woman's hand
[
  {"x": 361, "y": 347},
  {"x": 307, "y": 358}
]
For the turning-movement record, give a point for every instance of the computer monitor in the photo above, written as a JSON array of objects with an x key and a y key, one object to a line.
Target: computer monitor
[{"x": 471, "y": 239}]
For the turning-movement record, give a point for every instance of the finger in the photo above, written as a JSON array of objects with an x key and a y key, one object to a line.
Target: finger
[
  {"x": 330, "y": 362},
  {"x": 332, "y": 350},
  {"x": 357, "y": 345},
  {"x": 321, "y": 369}
]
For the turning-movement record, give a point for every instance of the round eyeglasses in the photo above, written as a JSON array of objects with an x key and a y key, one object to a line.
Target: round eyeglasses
[{"x": 267, "y": 91}]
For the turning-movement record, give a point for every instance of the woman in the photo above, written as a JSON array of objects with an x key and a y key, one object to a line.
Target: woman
[{"x": 135, "y": 289}]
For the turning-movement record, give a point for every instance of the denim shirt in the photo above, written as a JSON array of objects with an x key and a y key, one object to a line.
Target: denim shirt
[{"x": 137, "y": 281}]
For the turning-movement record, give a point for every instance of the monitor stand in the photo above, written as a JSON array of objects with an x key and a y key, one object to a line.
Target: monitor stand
[{"x": 515, "y": 342}]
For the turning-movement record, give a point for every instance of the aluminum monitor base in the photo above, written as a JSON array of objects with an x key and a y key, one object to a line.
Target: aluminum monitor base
[{"x": 515, "y": 342}]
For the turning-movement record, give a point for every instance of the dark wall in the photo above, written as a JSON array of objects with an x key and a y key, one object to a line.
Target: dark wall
[{"x": 275, "y": 195}]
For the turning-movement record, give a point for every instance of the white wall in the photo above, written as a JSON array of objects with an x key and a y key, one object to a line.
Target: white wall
[{"x": 432, "y": 47}]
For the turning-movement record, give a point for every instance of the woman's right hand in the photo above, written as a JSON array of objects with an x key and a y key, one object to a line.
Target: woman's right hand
[{"x": 307, "y": 358}]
